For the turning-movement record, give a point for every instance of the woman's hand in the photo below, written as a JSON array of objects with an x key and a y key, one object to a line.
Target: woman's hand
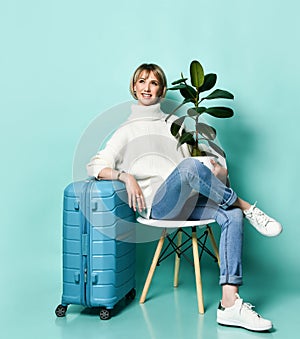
[
  {"x": 135, "y": 194},
  {"x": 219, "y": 171}
]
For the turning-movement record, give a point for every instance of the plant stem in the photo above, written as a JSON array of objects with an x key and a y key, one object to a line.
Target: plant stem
[
  {"x": 197, "y": 133},
  {"x": 196, "y": 122}
]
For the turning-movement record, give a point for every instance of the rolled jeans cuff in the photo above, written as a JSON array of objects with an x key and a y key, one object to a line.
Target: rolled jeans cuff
[
  {"x": 231, "y": 280},
  {"x": 232, "y": 196}
]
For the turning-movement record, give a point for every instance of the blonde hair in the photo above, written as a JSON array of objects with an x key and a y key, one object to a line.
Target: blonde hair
[{"x": 157, "y": 71}]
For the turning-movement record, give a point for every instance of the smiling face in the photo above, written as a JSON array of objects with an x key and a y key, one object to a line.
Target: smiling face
[{"x": 147, "y": 88}]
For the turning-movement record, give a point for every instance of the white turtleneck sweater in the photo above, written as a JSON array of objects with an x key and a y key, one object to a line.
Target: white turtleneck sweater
[{"x": 144, "y": 147}]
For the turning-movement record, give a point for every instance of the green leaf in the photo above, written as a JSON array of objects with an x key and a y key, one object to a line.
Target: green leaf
[
  {"x": 176, "y": 125},
  {"x": 219, "y": 94},
  {"x": 197, "y": 74},
  {"x": 177, "y": 87},
  {"x": 192, "y": 112},
  {"x": 208, "y": 132},
  {"x": 179, "y": 81},
  {"x": 216, "y": 148},
  {"x": 185, "y": 101},
  {"x": 188, "y": 92},
  {"x": 209, "y": 82},
  {"x": 220, "y": 112},
  {"x": 186, "y": 137},
  {"x": 201, "y": 109},
  {"x": 196, "y": 111},
  {"x": 190, "y": 141}
]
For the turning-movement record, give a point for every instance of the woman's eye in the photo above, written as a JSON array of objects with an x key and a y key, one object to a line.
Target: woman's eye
[
  {"x": 141, "y": 81},
  {"x": 154, "y": 83}
]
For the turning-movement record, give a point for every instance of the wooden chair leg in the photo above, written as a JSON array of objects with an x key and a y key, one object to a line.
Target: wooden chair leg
[
  {"x": 153, "y": 266},
  {"x": 213, "y": 243},
  {"x": 197, "y": 271},
  {"x": 177, "y": 259}
]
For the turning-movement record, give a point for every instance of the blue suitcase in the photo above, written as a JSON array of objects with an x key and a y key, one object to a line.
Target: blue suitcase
[{"x": 98, "y": 246}]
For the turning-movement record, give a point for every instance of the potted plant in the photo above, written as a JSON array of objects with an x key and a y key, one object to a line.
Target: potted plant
[{"x": 202, "y": 138}]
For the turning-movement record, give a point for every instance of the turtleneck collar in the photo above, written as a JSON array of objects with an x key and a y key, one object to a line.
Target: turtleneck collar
[{"x": 152, "y": 112}]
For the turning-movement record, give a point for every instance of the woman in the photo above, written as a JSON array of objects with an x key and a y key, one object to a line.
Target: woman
[{"x": 164, "y": 182}]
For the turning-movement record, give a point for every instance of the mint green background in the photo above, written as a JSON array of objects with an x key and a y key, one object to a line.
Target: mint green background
[{"x": 64, "y": 62}]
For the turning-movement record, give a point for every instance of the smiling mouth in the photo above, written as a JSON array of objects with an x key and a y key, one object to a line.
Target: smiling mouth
[{"x": 146, "y": 95}]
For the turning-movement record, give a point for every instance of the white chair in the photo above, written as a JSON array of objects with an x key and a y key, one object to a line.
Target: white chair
[{"x": 192, "y": 241}]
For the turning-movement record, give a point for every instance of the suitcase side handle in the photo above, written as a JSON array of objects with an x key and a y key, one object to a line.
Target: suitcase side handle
[
  {"x": 94, "y": 277},
  {"x": 76, "y": 205},
  {"x": 94, "y": 205},
  {"x": 77, "y": 277}
]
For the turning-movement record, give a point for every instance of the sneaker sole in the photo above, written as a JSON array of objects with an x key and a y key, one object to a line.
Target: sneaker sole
[
  {"x": 238, "y": 324},
  {"x": 267, "y": 234}
]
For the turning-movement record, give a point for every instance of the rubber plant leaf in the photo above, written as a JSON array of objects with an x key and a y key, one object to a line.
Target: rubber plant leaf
[
  {"x": 192, "y": 112},
  {"x": 216, "y": 148},
  {"x": 179, "y": 81},
  {"x": 188, "y": 92},
  {"x": 220, "y": 112},
  {"x": 186, "y": 138},
  {"x": 209, "y": 82},
  {"x": 219, "y": 94},
  {"x": 176, "y": 125},
  {"x": 201, "y": 109},
  {"x": 208, "y": 132},
  {"x": 197, "y": 74}
]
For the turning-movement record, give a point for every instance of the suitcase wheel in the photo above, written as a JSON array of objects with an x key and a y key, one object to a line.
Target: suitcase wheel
[
  {"x": 61, "y": 310},
  {"x": 104, "y": 314},
  {"x": 131, "y": 294}
]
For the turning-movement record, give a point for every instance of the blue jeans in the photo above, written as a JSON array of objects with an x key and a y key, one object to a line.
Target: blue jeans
[{"x": 213, "y": 200}]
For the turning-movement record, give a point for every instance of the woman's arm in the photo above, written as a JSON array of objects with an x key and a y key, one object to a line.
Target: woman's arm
[
  {"x": 134, "y": 192},
  {"x": 108, "y": 156}
]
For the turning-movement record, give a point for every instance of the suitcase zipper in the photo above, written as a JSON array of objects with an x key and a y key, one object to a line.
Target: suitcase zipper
[{"x": 85, "y": 243}]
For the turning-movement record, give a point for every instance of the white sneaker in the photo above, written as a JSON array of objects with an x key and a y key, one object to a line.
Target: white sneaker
[
  {"x": 242, "y": 315},
  {"x": 262, "y": 222}
]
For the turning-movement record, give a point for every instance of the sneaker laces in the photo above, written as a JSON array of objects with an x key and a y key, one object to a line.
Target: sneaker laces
[
  {"x": 260, "y": 217},
  {"x": 249, "y": 308}
]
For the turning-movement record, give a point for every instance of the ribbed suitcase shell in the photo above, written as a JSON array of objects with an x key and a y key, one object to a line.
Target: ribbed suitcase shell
[{"x": 98, "y": 244}]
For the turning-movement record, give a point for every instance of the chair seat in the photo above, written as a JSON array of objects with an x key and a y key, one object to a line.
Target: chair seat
[{"x": 174, "y": 223}]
